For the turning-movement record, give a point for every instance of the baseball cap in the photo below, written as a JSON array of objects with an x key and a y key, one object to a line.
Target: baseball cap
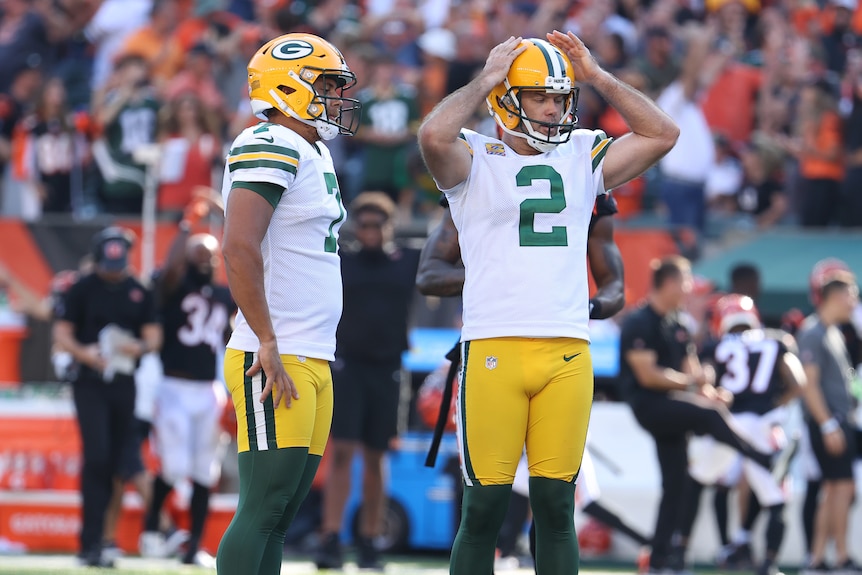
[
  {"x": 112, "y": 246},
  {"x": 113, "y": 255}
]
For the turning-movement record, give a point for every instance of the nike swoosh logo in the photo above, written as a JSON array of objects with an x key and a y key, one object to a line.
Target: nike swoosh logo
[
  {"x": 266, "y": 139},
  {"x": 570, "y": 357}
]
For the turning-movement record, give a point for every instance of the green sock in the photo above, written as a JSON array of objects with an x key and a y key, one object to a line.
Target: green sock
[
  {"x": 483, "y": 509},
  {"x": 274, "y": 551},
  {"x": 268, "y": 482},
  {"x": 553, "y": 503}
]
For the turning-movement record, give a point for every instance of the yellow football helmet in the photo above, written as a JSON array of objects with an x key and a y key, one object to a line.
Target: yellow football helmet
[
  {"x": 282, "y": 73},
  {"x": 542, "y": 67}
]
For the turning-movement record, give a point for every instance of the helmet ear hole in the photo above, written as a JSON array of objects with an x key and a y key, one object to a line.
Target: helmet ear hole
[{"x": 286, "y": 90}]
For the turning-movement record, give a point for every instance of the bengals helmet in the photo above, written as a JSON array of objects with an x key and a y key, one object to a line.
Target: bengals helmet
[
  {"x": 734, "y": 310},
  {"x": 825, "y": 272},
  {"x": 282, "y": 73},
  {"x": 541, "y": 67}
]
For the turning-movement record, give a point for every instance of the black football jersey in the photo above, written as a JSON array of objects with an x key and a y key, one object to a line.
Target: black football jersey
[
  {"x": 195, "y": 321},
  {"x": 746, "y": 364}
]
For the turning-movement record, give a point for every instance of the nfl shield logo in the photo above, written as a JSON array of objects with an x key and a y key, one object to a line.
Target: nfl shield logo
[{"x": 490, "y": 362}]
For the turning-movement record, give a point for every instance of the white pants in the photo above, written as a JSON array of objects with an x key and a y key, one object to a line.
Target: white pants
[
  {"x": 188, "y": 430},
  {"x": 711, "y": 462}
]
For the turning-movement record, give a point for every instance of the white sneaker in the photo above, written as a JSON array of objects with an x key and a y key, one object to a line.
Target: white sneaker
[
  {"x": 110, "y": 552},
  {"x": 175, "y": 541},
  {"x": 201, "y": 559},
  {"x": 152, "y": 545}
]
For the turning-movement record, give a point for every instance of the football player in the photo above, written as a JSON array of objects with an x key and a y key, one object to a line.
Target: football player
[
  {"x": 195, "y": 315},
  {"x": 521, "y": 205},
  {"x": 761, "y": 370},
  {"x": 282, "y": 217}
]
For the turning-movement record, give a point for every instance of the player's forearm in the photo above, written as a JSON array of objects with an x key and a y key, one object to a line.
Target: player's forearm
[
  {"x": 665, "y": 379},
  {"x": 244, "y": 266},
  {"x": 814, "y": 401},
  {"x": 443, "y": 124},
  {"x": 440, "y": 279},
  {"x": 640, "y": 113},
  {"x": 608, "y": 300}
]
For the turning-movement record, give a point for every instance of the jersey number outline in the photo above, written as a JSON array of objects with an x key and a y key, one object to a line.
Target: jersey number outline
[
  {"x": 205, "y": 323},
  {"x": 734, "y": 354},
  {"x": 527, "y": 234},
  {"x": 330, "y": 244}
]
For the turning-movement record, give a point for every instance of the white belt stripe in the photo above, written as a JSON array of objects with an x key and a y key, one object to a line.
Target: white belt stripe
[{"x": 259, "y": 416}]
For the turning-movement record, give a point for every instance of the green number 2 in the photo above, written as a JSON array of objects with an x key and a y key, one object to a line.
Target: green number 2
[
  {"x": 529, "y": 208},
  {"x": 330, "y": 244}
]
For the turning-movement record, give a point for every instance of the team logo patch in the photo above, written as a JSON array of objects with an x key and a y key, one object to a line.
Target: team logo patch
[
  {"x": 136, "y": 295},
  {"x": 490, "y": 362},
  {"x": 292, "y": 50},
  {"x": 301, "y": 358},
  {"x": 495, "y": 150}
]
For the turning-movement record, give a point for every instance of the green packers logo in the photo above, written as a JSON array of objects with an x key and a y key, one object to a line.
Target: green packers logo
[{"x": 292, "y": 50}]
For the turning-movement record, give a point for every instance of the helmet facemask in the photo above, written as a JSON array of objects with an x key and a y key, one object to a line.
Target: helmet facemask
[
  {"x": 560, "y": 131},
  {"x": 347, "y": 120}
]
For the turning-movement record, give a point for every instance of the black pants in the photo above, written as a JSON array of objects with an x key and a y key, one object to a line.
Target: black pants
[
  {"x": 105, "y": 411},
  {"x": 669, "y": 419}
]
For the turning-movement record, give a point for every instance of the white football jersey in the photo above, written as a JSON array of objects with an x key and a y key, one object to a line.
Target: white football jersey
[
  {"x": 522, "y": 225},
  {"x": 301, "y": 267}
]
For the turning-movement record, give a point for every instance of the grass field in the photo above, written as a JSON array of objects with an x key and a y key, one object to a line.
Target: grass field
[{"x": 65, "y": 565}]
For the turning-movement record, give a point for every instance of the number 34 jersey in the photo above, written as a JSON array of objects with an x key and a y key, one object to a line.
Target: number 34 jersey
[
  {"x": 522, "y": 226},
  {"x": 746, "y": 364},
  {"x": 301, "y": 267},
  {"x": 195, "y": 320}
]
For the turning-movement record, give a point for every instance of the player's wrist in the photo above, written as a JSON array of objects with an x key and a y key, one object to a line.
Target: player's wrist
[
  {"x": 595, "y": 309},
  {"x": 829, "y": 426}
]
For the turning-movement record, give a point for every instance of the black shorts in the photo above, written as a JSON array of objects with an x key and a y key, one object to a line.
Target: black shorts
[
  {"x": 366, "y": 402},
  {"x": 131, "y": 460},
  {"x": 834, "y": 468}
]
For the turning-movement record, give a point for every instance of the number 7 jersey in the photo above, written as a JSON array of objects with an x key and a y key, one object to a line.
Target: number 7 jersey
[
  {"x": 522, "y": 226},
  {"x": 301, "y": 267}
]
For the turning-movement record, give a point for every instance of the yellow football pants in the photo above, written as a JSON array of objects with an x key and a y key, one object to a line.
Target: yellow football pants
[
  {"x": 517, "y": 391},
  {"x": 260, "y": 427}
]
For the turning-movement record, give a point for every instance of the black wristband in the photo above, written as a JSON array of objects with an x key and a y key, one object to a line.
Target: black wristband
[{"x": 595, "y": 309}]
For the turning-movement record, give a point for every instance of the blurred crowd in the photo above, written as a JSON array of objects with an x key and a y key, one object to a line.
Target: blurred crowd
[{"x": 768, "y": 94}]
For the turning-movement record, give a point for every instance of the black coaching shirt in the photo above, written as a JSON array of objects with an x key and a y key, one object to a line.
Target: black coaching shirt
[
  {"x": 195, "y": 320},
  {"x": 645, "y": 329},
  {"x": 92, "y": 303},
  {"x": 378, "y": 291}
]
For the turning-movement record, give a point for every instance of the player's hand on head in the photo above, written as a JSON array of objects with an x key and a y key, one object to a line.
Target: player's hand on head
[
  {"x": 500, "y": 59},
  {"x": 278, "y": 382},
  {"x": 584, "y": 65}
]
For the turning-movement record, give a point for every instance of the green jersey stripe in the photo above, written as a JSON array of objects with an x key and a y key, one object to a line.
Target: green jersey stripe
[
  {"x": 600, "y": 154},
  {"x": 252, "y": 148},
  {"x": 276, "y": 164},
  {"x": 248, "y": 385}
]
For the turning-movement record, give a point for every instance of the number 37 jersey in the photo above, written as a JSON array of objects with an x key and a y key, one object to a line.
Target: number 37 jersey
[
  {"x": 522, "y": 226},
  {"x": 301, "y": 267},
  {"x": 746, "y": 365}
]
